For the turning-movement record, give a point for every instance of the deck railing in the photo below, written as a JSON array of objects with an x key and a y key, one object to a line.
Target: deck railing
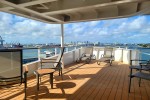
[{"x": 123, "y": 55}]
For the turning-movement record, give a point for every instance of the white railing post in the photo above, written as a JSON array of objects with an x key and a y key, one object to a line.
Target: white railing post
[
  {"x": 79, "y": 52},
  {"x": 140, "y": 57},
  {"x": 55, "y": 51},
  {"x": 75, "y": 48},
  {"x": 39, "y": 54},
  {"x": 122, "y": 56},
  {"x": 98, "y": 53},
  {"x": 73, "y": 53}
]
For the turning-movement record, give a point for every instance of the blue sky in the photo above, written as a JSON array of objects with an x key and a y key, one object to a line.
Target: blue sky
[{"x": 15, "y": 29}]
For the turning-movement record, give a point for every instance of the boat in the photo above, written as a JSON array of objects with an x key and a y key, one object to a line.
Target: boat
[{"x": 49, "y": 53}]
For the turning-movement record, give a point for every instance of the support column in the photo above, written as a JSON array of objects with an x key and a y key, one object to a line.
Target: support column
[
  {"x": 62, "y": 35},
  {"x": 62, "y": 41}
]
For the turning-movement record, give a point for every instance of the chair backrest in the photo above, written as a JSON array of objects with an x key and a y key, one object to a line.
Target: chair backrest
[
  {"x": 108, "y": 51},
  {"x": 87, "y": 51},
  {"x": 59, "y": 56},
  {"x": 11, "y": 68}
]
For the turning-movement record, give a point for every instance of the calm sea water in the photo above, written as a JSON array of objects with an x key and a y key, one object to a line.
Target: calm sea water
[
  {"x": 33, "y": 53},
  {"x": 145, "y": 53}
]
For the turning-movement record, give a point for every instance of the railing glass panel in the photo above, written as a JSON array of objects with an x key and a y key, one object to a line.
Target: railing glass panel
[
  {"x": 30, "y": 55},
  {"x": 145, "y": 53},
  {"x": 33, "y": 54}
]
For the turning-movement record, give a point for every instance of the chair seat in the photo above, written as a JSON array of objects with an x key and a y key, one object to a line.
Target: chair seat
[
  {"x": 85, "y": 58},
  {"x": 44, "y": 71},
  {"x": 146, "y": 68},
  {"x": 142, "y": 75},
  {"x": 104, "y": 59}
]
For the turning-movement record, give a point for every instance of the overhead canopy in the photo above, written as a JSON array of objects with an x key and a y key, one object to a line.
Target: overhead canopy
[{"x": 66, "y": 11}]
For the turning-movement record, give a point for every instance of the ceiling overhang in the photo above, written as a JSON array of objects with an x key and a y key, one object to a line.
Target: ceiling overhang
[{"x": 67, "y": 11}]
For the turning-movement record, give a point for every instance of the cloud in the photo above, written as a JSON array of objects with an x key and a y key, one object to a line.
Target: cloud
[
  {"x": 109, "y": 30},
  {"x": 137, "y": 36},
  {"x": 94, "y": 23},
  {"x": 11, "y": 26},
  {"x": 137, "y": 23},
  {"x": 15, "y": 28}
]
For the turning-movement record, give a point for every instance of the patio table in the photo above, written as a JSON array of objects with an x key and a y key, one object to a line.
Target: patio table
[{"x": 44, "y": 71}]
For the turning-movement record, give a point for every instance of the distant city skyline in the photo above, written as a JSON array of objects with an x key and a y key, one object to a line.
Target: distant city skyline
[{"x": 15, "y": 29}]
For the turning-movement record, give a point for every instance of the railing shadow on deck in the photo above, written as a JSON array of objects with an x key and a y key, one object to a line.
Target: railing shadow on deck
[
  {"x": 66, "y": 77},
  {"x": 45, "y": 93}
]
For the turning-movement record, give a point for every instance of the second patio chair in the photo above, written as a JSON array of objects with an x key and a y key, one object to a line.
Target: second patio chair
[
  {"x": 87, "y": 55},
  {"x": 107, "y": 57}
]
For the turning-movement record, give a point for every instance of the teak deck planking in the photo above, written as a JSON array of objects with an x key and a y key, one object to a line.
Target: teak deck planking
[{"x": 84, "y": 82}]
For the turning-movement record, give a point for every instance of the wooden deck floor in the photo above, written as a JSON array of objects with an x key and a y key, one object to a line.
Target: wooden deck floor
[{"x": 84, "y": 82}]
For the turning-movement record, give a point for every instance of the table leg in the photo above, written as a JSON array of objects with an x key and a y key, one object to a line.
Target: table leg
[
  {"x": 37, "y": 76},
  {"x": 51, "y": 79}
]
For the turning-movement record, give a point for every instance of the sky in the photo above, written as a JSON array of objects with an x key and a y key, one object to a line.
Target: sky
[{"x": 15, "y": 29}]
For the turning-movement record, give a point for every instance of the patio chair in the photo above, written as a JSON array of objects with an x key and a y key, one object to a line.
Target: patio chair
[
  {"x": 107, "y": 56},
  {"x": 12, "y": 72},
  {"x": 142, "y": 71},
  {"x": 54, "y": 63},
  {"x": 87, "y": 55},
  {"x": 49, "y": 66}
]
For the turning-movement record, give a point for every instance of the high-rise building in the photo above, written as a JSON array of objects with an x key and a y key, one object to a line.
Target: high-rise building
[{"x": 1, "y": 42}]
